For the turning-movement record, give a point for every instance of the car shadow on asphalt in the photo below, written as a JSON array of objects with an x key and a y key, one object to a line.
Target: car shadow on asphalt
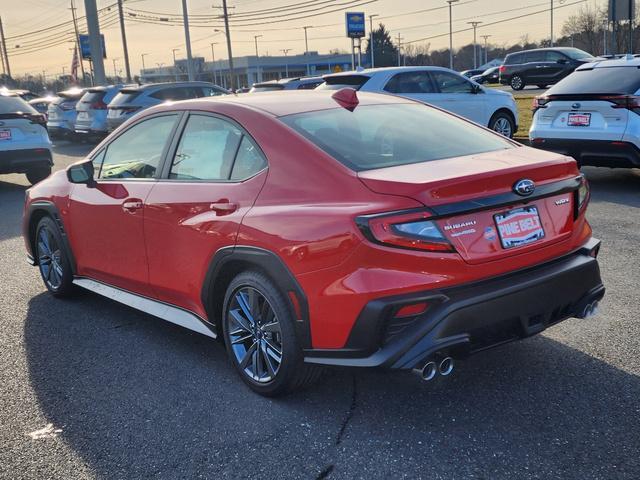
[
  {"x": 11, "y": 205},
  {"x": 138, "y": 397},
  {"x": 618, "y": 185}
]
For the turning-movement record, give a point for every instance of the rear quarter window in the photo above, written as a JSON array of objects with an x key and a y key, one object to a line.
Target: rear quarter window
[
  {"x": 514, "y": 59},
  {"x": 606, "y": 80}
]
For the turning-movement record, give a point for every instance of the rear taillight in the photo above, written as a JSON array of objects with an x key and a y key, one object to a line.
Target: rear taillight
[
  {"x": 411, "y": 230},
  {"x": 502, "y": 69},
  {"x": 38, "y": 118},
  {"x": 629, "y": 102},
  {"x": 99, "y": 105},
  {"x": 128, "y": 109},
  {"x": 67, "y": 106},
  {"x": 583, "y": 194},
  {"x": 539, "y": 102}
]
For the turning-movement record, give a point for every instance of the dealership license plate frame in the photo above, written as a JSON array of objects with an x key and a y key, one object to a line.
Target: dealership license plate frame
[
  {"x": 579, "y": 119},
  {"x": 5, "y": 134},
  {"x": 504, "y": 218}
]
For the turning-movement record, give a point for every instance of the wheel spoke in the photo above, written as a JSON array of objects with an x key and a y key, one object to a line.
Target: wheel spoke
[
  {"x": 273, "y": 351},
  {"x": 273, "y": 327},
  {"x": 44, "y": 241},
  {"x": 240, "y": 320},
  {"x": 267, "y": 361},
  {"x": 247, "y": 356},
  {"x": 243, "y": 301},
  {"x": 256, "y": 362},
  {"x": 242, "y": 339}
]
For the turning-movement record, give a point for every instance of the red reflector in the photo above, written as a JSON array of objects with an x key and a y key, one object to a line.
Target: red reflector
[
  {"x": 537, "y": 140},
  {"x": 412, "y": 310},
  {"x": 346, "y": 98},
  {"x": 618, "y": 144}
]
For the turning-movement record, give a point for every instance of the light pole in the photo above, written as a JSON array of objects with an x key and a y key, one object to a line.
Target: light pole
[
  {"x": 451, "y": 2},
  {"x": 475, "y": 43},
  {"x": 399, "y": 49},
  {"x": 142, "y": 57},
  {"x": 486, "y": 48},
  {"x": 115, "y": 72},
  {"x": 258, "y": 73},
  {"x": 286, "y": 63},
  {"x": 175, "y": 69},
  {"x": 551, "y": 23},
  {"x": 371, "y": 17},
  {"x": 213, "y": 62},
  {"x": 306, "y": 48}
]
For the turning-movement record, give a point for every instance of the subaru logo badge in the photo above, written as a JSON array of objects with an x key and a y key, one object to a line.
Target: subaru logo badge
[
  {"x": 524, "y": 187},
  {"x": 576, "y": 106}
]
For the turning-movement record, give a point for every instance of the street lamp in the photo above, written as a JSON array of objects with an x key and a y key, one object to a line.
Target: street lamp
[
  {"x": 475, "y": 43},
  {"x": 115, "y": 71},
  {"x": 258, "y": 73},
  {"x": 451, "y": 2},
  {"x": 286, "y": 63},
  {"x": 371, "y": 17},
  {"x": 175, "y": 69},
  {"x": 306, "y": 48},
  {"x": 486, "y": 48},
  {"x": 142, "y": 57},
  {"x": 213, "y": 62}
]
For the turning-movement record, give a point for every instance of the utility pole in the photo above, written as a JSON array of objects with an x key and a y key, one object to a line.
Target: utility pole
[
  {"x": 142, "y": 57},
  {"x": 475, "y": 43},
  {"x": 213, "y": 63},
  {"x": 95, "y": 42},
  {"x": 552, "y": 23},
  {"x": 286, "y": 63},
  {"x": 306, "y": 48},
  {"x": 373, "y": 60},
  {"x": 631, "y": 12},
  {"x": 127, "y": 68},
  {"x": 258, "y": 73},
  {"x": 115, "y": 71},
  {"x": 604, "y": 36},
  {"x": 451, "y": 2},
  {"x": 486, "y": 48},
  {"x": 4, "y": 49},
  {"x": 79, "y": 49},
  {"x": 225, "y": 14},
  {"x": 4, "y": 71},
  {"x": 175, "y": 68},
  {"x": 399, "y": 50},
  {"x": 187, "y": 39}
]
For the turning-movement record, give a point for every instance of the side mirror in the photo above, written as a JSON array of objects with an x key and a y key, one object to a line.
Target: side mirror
[
  {"x": 476, "y": 88},
  {"x": 563, "y": 61},
  {"x": 81, "y": 174}
]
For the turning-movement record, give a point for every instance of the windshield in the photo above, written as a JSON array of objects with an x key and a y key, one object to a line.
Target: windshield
[
  {"x": 377, "y": 136},
  {"x": 14, "y": 105},
  {"x": 576, "y": 53}
]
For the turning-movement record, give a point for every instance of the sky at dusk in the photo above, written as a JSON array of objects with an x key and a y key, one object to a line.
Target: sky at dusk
[{"x": 415, "y": 20}]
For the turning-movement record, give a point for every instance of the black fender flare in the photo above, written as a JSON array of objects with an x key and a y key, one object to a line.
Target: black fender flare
[
  {"x": 229, "y": 261},
  {"x": 50, "y": 209}
]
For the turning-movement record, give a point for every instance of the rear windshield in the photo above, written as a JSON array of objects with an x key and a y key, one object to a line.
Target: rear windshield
[
  {"x": 576, "y": 53},
  {"x": 378, "y": 136},
  {"x": 124, "y": 97},
  {"x": 93, "y": 97},
  {"x": 14, "y": 105},
  {"x": 341, "y": 81},
  {"x": 267, "y": 88},
  {"x": 620, "y": 80}
]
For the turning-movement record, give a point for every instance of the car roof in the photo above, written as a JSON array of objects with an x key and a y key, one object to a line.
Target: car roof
[
  {"x": 626, "y": 61},
  {"x": 370, "y": 72},
  {"x": 149, "y": 86},
  {"x": 276, "y": 104}
]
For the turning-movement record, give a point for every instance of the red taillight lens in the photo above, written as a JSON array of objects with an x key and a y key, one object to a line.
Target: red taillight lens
[
  {"x": 412, "y": 310},
  {"x": 38, "y": 118},
  {"x": 583, "y": 194},
  {"x": 539, "y": 102},
  {"x": 502, "y": 69},
  {"x": 405, "y": 230},
  {"x": 629, "y": 102},
  {"x": 99, "y": 105}
]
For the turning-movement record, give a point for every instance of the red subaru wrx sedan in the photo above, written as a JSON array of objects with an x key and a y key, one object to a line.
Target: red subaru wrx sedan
[{"x": 322, "y": 228}]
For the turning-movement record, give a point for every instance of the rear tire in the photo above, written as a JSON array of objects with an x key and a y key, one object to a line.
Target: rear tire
[
  {"x": 517, "y": 82},
  {"x": 260, "y": 337},
  {"x": 502, "y": 123},
  {"x": 37, "y": 174},
  {"x": 541, "y": 86},
  {"x": 54, "y": 265}
]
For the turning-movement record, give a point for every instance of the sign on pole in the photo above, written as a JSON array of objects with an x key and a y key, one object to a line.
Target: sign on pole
[
  {"x": 85, "y": 48},
  {"x": 355, "y": 24},
  {"x": 621, "y": 10}
]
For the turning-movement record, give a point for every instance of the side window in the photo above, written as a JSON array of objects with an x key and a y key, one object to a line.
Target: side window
[
  {"x": 451, "y": 83},
  {"x": 211, "y": 92},
  {"x": 514, "y": 59},
  {"x": 532, "y": 57},
  {"x": 206, "y": 150},
  {"x": 410, "y": 82},
  {"x": 138, "y": 151},
  {"x": 554, "y": 56},
  {"x": 249, "y": 160}
]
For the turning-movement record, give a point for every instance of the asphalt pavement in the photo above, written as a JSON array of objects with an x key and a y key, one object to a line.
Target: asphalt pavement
[{"x": 92, "y": 389}]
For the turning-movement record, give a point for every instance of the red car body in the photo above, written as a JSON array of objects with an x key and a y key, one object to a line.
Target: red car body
[{"x": 361, "y": 295}]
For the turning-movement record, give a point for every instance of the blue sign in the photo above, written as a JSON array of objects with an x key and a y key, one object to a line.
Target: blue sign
[
  {"x": 355, "y": 24},
  {"x": 85, "y": 49}
]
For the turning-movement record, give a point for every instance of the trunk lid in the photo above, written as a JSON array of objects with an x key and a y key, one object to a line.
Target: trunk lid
[{"x": 456, "y": 189}]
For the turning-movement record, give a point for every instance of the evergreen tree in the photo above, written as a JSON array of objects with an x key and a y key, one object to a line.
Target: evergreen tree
[{"x": 386, "y": 53}]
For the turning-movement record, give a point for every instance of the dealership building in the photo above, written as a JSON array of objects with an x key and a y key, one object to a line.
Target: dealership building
[{"x": 252, "y": 69}]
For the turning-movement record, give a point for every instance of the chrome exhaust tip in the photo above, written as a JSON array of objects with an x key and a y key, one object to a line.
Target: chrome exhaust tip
[
  {"x": 446, "y": 366},
  {"x": 590, "y": 310},
  {"x": 428, "y": 372}
]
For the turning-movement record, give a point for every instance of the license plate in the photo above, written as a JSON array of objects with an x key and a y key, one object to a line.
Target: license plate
[
  {"x": 5, "y": 134},
  {"x": 83, "y": 116},
  {"x": 579, "y": 119},
  {"x": 519, "y": 227},
  {"x": 53, "y": 115}
]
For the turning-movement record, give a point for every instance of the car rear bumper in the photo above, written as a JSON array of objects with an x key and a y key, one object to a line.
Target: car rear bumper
[
  {"x": 463, "y": 320},
  {"x": 20, "y": 161},
  {"x": 59, "y": 130},
  {"x": 603, "y": 153}
]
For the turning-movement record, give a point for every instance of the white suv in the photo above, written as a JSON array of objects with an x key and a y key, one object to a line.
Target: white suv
[
  {"x": 593, "y": 114},
  {"x": 437, "y": 86},
  {"x": 24, "y": 142}
]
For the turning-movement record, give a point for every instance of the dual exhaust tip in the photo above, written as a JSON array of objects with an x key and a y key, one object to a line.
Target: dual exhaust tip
[{"x": 432, "y": 368}]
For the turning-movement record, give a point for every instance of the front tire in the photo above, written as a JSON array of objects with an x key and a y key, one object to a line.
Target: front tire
[
  {"x": 517, "y": 82},
  {"x": 54, "y": 265},
  {"x": 37, "y": 174},
  {"x": 259, "y": 333},
  {"x": 542, "y": 86},
  {"x": 502, "y": 123}
]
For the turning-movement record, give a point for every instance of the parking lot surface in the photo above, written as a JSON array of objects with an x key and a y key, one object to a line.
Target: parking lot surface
[{"x": 93, "y": 389}]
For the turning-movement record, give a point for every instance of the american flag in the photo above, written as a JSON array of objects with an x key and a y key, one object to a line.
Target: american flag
[{"x": 74, "y": 65}]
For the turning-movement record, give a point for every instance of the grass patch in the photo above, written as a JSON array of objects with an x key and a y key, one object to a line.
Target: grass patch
[{"x": 525, "y": 114}]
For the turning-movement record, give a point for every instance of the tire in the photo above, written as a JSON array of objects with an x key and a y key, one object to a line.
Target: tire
[
  {"x": 252, "y": 350},
  {"x": 541, "y": 86},
  {"x": 517, "y": 82},
  {"x": 54, "y": 266},
  {"x": 36, "y": 175},
  {"x": 502, "y": 123}
]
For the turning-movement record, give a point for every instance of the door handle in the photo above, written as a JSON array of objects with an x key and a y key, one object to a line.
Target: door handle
[
  {"x": 223, "y": 207},
  {"x": 132, "y": 204}
]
